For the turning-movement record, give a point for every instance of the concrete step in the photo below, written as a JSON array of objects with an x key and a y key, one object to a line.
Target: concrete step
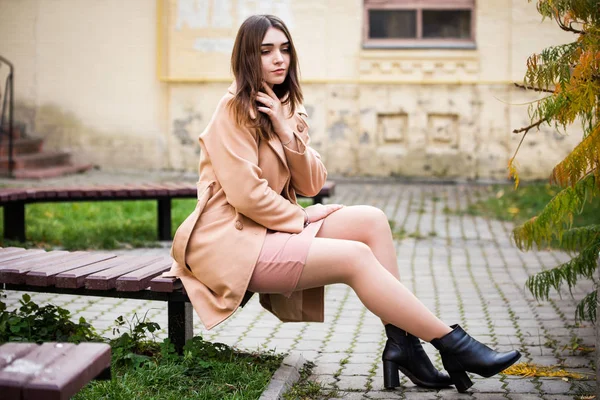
[
  {"x": 21, "y": 146},
  {"x": 19, "y": 131},
  {"x": 51, "y": 172},
  {"x": 37, "y": 160}
]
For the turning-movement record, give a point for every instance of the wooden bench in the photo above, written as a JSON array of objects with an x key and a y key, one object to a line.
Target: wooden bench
[
  {"x": 51, "y": 371},
  {"x": 97, "y": 274},
  {"x": 13, "y": 200}
]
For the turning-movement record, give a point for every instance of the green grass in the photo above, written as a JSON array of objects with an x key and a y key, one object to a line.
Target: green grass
[
  {"x": 242, "y": 376},
  {"x": 142, "y": 367},
  {"x": 306, "y": 389},
  {"x": 98, "y": 225},
  {"x": 508, "y": 204}
]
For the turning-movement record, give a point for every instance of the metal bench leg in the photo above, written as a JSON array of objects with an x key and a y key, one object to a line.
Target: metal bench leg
[
  {"x": 14, "y": 221},
  {"x": 164, "y": 219},
  {"x": 180, "y": 323},
  {"x": 105, "y": 375}
]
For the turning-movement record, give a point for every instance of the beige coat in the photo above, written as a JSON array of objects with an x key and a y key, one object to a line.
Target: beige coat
[{"x": 246, "y": 185}]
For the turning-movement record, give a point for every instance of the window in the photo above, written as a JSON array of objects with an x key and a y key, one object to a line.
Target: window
[{"x": 419, "y": 23}]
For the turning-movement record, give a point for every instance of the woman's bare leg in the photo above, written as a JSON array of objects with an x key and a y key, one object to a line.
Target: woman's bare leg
[
  {"x": 353, "y": 263},
  {"x": 365, "y": 224}
]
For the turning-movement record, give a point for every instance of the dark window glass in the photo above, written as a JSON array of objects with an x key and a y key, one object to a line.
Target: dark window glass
[
  {"x": 392, "y": 24},
  {"x": 451, "y": 24}
]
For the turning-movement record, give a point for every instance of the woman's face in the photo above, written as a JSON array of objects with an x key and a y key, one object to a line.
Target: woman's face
[{"x": 275, "y": 56}]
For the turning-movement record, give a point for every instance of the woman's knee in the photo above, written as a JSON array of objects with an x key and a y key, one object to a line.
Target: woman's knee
[
  {"x": 375, "y": 219},
  {"x": 359, "y": 260}
]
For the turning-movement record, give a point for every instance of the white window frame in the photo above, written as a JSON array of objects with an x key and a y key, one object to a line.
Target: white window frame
[{"x": 418, "y": 6}]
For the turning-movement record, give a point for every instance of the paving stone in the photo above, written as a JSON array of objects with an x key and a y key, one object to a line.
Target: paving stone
[
  {"x": 281, "y": 344},
  {"x": 332, "y": 357},
  {"x": 558, "y": 397},
  {"x": 555, "y": 386},
  {"x": 452, "y": 394},
  {"x": 487, "y": 385},
  {"x": 389, "y": 395},
  {"x": 490, "y": 396},
  {"x": 326, "y": 368},
  {"x": 352, "y": 382},
  {"x": 356, "y": 369},
  {"x": 544, "y": 360},
  {"x": 349, "y": 396},
  {"x": 520, "y": 386},
  {"x": 420, "y": 395}
]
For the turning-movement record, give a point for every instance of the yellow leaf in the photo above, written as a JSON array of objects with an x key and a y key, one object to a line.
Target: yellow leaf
[
  {"x": 513, "y": 210},
  {"x": 527, "y": 369}
]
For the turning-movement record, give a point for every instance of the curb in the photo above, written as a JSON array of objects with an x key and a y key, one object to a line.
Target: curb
[{"x": 285, "y": 376}]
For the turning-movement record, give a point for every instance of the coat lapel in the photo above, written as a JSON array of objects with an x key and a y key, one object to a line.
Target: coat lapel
[{"x": 277, "y": 147}]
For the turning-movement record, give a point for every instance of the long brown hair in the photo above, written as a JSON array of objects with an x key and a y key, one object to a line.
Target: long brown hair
[{"x": 247, "y": 70}]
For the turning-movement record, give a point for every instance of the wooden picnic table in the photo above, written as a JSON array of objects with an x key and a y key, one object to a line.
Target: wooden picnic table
[{"x": 50, "y": 371}]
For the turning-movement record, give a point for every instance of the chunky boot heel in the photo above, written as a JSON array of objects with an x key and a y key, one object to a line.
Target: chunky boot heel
[
  {"x": 461, "y": 354},
  {"x": 404, "y": 352},
  {"x": 391, "y": 377},
  {"x": 461, "y": 380}
]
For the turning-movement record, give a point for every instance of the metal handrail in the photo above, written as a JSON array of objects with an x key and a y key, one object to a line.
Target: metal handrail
[{"x": 8, "y": 91}]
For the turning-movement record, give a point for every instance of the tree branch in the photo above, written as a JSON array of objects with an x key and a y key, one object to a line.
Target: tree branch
[
  {"x": 532, "y": 88},
  {"x": 567, "y": 28},
  {"x": 534, "y": 125}
]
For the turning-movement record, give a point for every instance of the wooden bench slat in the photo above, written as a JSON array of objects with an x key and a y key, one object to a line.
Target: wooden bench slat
[
  {"x": 13, "y": 350},
  {"x": 17, "y": 195},
  {"x": 328, "y": 188},
  {"x": 31, "y": 256},
  {"x": 66, "y": 375},
  {"x": 14, "y": 375},
  {"x": 165, "y": 284},
  {"x": 11, "y": 250},
  {"x": 62, "y": 192},
  {"x": 75, "y": 278},
  {"x": 140, "y": 279},
  {"x": 106, "y": 279},
  {"x": 14, "y": 272},
  {"x": 118, "y": 190},
  {"x": 134, "y": 191},
  {"x": 158, "y": 189},
  {"x": 149, "y": 189},
  {"x": 42, "y": 193},
  {"x": 46, "y": 275},
  {"x": 19, "y": 255},
  {"x": 96, "y": 191},
  {"x": 176, "y": 190}
]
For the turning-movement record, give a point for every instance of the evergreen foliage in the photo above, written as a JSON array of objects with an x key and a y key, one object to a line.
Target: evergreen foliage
[{"x": 570, "y": 75}]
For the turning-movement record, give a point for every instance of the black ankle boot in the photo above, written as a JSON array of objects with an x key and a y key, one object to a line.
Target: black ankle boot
[
  {"x": 461, "y": 354},
  {"x": 404, "y": 352}
]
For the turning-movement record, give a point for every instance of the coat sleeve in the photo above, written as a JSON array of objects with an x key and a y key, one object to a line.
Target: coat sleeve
[
  {"x": 307, "y": 169},
  {"x": 233, "y": 151}
]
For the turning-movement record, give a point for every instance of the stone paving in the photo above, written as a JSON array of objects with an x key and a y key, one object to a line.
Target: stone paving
[{"x": 464, "y": 268}]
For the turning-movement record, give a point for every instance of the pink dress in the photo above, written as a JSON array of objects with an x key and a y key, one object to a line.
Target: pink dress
[{"x": 281, "y": 260}]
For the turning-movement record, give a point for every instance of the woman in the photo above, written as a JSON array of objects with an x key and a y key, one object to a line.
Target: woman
[{"x": 248, "y": 234}]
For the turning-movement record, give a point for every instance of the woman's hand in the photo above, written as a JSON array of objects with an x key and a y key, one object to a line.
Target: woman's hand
[
  {"x": 320, "y": 211},
  {"x": 273, "y": 108}
]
